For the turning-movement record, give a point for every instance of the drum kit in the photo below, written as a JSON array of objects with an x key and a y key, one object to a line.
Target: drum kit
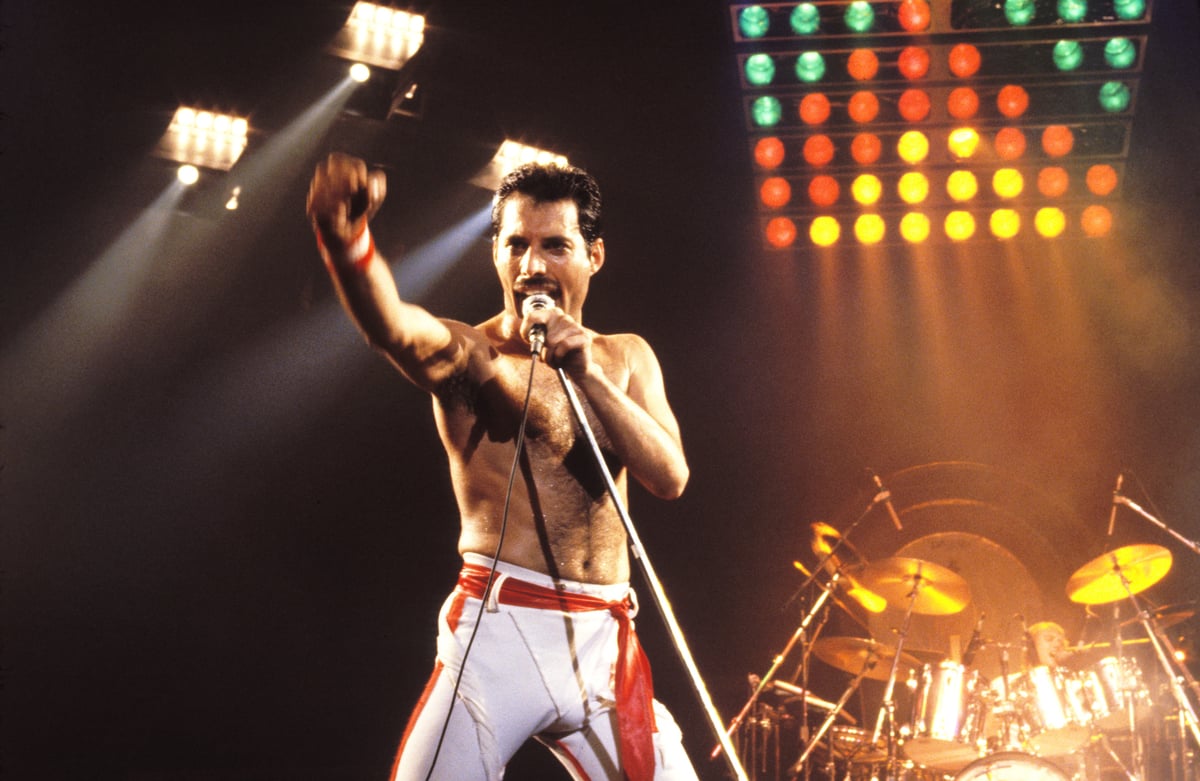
[{"x": 1053, "y": 714}]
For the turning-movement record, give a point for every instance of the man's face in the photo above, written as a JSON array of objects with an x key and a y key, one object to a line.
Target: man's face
[
  {"x": 1049, "y": 644},
  {"x": 539, "y": 249}
]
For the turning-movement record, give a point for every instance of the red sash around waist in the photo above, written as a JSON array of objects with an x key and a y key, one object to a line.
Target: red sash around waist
[{"x": 634, "y": 687}]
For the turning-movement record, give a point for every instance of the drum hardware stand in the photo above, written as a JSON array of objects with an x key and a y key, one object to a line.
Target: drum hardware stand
[
  {"x": 888, "y": 709},
  {"x": 798, "y": 635},
  {"x": 801, "y": 763},
  {"x": 759, "y": 736},
  {"x": 1176, "y": 673}
]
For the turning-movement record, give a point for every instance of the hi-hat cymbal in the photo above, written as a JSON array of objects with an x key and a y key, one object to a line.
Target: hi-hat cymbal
[
  {"x": 852, "y": 654},
  {"x": 846, "y": 558},
  {"x": 933, "y": 589},
  {"x": 1118, "y": 574}
]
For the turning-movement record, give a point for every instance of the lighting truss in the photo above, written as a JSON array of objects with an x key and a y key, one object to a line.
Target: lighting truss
[
  {"x": 379, "y": 35},
  {"x": 204, "y": 138}
]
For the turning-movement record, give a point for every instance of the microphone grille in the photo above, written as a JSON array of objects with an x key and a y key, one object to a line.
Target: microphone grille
[{"x": 536, "y": 302}]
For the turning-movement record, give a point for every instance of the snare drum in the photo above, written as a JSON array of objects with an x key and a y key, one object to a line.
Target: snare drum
[
  {"x": 1012, "y": 766},
  {"x": 1111, "y": 685},
  {"x": 1052, "y": 709},
  {"x": 948, "y": 718}
]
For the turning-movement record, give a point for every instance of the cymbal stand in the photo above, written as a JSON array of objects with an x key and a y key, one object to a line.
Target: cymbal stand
[
  {"x": 868, "y": 665},
  {"x": 1176, "y": 673},
  {"x": 765, "y": 681},
  {"x": 887, "y": 710}
]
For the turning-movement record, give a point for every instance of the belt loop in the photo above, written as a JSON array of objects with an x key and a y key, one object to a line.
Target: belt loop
[
  {"x": 493, "y": 601},
  {"x": 631, "y": 597}
]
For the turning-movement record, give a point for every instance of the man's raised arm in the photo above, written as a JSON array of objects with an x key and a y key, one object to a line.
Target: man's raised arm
[{"x": 342, "y": 198}]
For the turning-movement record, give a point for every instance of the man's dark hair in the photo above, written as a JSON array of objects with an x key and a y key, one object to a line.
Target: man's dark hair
[{"x": 546, "y": 183}]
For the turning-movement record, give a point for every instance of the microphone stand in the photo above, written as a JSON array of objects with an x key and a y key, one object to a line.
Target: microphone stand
[
  {"x": 1191, "y": 545},
  {"x": 656, "y": 588}
]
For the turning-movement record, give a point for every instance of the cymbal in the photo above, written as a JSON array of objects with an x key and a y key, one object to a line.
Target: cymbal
[
  {"x": 1118, "y": 574},
  {"x": 1167, "y": 615},
  {"x": 934, "y": 590},
  {"x": 823, "y": 541},
  {"x": 851, "y": 654}
]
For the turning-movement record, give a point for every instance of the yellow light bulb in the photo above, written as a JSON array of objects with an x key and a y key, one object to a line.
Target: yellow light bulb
[
  {"x": 1049, "y": 221},
  {"x": 1005, "y": 223},
  {"x": 824, "y": 231},
  {"x": 1008, "y": 182},
  {"x": 913, "y": 187},
  {"x": 869, "y": 228},
  {"x": 914, "y": 227},
  {"x": 961, "y": 186},
  {"x": 866, "y": 189},
  {"x": 913, "y": 146},
  {"x": 962, "y": 142},
  {"x": 960, "y": 225}
]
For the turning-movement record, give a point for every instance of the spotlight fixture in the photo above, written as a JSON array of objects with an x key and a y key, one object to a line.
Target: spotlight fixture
[
  {"x": 204, "y": 138},
  {"x": 509, "y": 156},
  {"x": 379, "y": 35},
  {"x": 188, "y": 174},
  {"x": 359, "y": 72}
]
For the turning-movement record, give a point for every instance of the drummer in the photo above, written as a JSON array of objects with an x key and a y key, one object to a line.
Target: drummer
[{"x": 1048, "y": 645}]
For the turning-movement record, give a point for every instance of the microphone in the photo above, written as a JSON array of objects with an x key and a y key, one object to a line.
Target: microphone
[
  {"x": 1112, "y": 516},
  {"x": 885, "y": 496},
  {"x": 974, "y": 643},
  {"x": 537, "y": 334}
]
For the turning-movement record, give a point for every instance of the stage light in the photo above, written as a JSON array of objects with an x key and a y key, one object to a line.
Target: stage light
[
  {"x": 204, "y": 138},
  {"x": 961, "y": 185},
  {"x": 810, "y": 67},
  {"x": 913, "y": 187},
  {"x": 823, "y": 191},
  {"x": 759, "y": 69},
  {"x": 962, "y": 103},
  {"x": 1050, "y": 222},
  {"x": 509, "y": 156},
  {"x": 959, "y": 225},
  {"x": 1101, "y": 179},
  {"x": 1009, "y": 143},
  {"x": 864, "y": 107},
  {"x": 824, "y": 231},
  {"x": 232, "y": 204},
  {"x": 914, "y": 105},
  {"x": 775, "y": 192},
  {"x": 914, "y": 227},
  {"x": 769, "y": 152},
  {"x": 1057, "y": 140},
  {"x": 862, "y": 65},
  {"x": 360, "y": 73},
  {"x": 1012, "y": 101},
  {"x": 1114, "y": 97},
  {"x": 1068, "y": 55},
  {"x": 866, "y": 148},
  {"x": 379, "y": 35},
  {"x": 1072, "y": 11},
  {"x": 1053, "y": 181},
  {"x": 814, "y": 108},
  {"x": 1129, "y": 10},
  {"x": 188, "y": 174},
  {"x": 818, "y": 150},
  {"x": 964, "y": 60},
  {"x": 1019, "y": 12},
  {"x": 913, "y": 146},
  {"x": 869, "y": 228},
  {"x": 781, "y": 232},
  {"x": 805, "y": 19},
  {"x": 1120, "y": 53},
  {"x": 859, "y": 16},
  {"x": 866, "y": 189},
  {"x": 753, "y": 21},
  {"x": 1008, "y": 183},
  {"x": 913, "y": 62},
  {"x": 766, "y": 111},
  {"x": 914, "y": 15},
  {"x": 962, "y": 142},
  {"x": 1096, "y": 221},
  {"x": 1004, "y": 223}
]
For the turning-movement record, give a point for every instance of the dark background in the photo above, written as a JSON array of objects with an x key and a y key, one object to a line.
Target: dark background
[{"x": 226, "y": 527}]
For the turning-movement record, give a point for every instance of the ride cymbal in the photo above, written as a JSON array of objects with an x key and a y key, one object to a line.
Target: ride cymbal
[
  {"x": 1119, "y": 574},
  {"x": 934, "y": 590},
  {"x": 853, "y": 654}
]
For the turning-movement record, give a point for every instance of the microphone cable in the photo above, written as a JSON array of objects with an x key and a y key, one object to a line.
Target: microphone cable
[{"x": 487, "y": 590}]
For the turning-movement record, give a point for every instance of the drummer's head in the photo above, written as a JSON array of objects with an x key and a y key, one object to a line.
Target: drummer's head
[{"x": 1048, "y": 644}]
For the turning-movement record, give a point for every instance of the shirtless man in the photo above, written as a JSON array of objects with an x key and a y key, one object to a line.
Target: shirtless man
[{"x": 554, "y": 656}]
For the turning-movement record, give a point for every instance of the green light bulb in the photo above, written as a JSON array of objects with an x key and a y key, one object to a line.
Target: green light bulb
[
  {"x": 1019, "y": 12},
  {"x": 1068, "y": 55},
  {"x": 1129, "y": 9},
  {"x": 760, "y": 69},
  {"x": 1072, "y": 10},
  {"x": 754, "y": 21},
  {"x": 805, "y": 19},
  {"x": 810, "y": 67},
  {"x": 860, "y": 17},
  {"x": 1114, "y": 97},
  {"x": 766, "y": 111},
  {"x": 1120, "y": 53}
]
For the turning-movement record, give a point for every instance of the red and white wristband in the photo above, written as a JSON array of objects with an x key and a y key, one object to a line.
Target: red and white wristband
[{"x": 359, "y": 251}]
